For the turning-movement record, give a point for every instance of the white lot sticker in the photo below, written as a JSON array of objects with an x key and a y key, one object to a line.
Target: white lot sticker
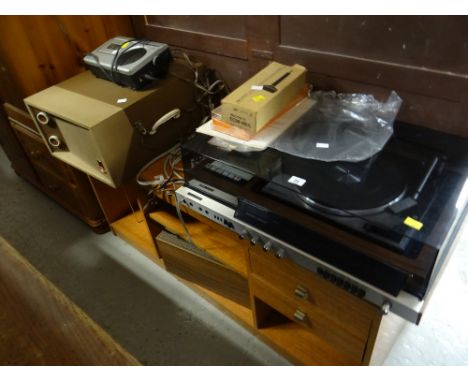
[
  {"x": 256, "y": 87},
  {"x": 322, "y": 145},
  {"x": 297, "y": 181},
  {"x": 121, "y": 100}
]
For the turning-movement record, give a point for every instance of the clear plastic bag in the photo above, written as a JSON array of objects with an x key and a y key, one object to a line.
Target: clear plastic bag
[{"x": 341, "y": 127}]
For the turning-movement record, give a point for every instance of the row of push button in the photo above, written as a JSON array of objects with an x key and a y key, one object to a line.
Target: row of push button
[{"x": 342, "y": 283}]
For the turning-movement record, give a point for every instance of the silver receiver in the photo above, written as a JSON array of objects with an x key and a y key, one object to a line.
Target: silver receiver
[{"x": 404, "y": 305}]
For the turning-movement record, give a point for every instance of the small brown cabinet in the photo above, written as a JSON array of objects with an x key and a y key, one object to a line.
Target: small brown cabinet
[
  {"x": 69, "y": 187},
  {"x": 37, "y": 52}
]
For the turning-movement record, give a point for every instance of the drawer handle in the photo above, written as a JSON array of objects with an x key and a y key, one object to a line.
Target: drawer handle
[
  {"x": 301, "y": 292},
  {"x": 300, "y": 316}
]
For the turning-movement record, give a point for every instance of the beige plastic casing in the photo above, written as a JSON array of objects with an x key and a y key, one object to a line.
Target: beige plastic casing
[{"x": 99, "y": 123}]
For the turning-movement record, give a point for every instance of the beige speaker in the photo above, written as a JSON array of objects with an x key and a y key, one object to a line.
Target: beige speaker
[{"x": 109, "y": 131}]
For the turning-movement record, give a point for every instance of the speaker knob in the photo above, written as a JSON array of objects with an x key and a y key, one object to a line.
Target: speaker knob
[
  {"x": 54, "y": 141},
  {"x": 42, "y": 118}
]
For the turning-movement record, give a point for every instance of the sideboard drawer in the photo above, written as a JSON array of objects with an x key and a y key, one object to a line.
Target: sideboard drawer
[
  {"x": 321, "y": 296},
  {"x": 37, "y": 151},
  {"x": 58, "y": 188},
  {"x": 190, "y": 263},
  {"x": 343, "y": 340}
]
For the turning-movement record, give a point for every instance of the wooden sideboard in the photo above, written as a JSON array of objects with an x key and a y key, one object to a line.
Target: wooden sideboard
[{"x": 305, "y": 318}]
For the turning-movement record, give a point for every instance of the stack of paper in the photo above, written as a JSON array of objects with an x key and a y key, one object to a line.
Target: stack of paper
[{"x": 266, "y": 136}]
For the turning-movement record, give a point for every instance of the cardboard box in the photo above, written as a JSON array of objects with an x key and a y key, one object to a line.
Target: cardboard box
[
  {"x": 241, "y": 133},
  {"x": 264, "y": 96}
]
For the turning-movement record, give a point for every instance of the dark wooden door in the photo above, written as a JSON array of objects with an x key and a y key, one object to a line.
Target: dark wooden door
[
  {"x": 218, "y": 41},
  {"x": 423, "y": 58}
]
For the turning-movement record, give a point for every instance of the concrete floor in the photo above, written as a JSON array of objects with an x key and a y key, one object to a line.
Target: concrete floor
[{"x": 161, "y": 321}]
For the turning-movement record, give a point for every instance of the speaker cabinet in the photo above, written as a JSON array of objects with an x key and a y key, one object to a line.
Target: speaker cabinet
[{"x": 103, "y": 129}]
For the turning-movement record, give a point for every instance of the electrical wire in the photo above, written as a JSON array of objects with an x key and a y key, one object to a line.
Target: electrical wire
[
  {"x": 153, "y": 183},
  {"x": 167, "y": 182},
  {"x": 118, "y": 53},
  {"x": 182, "y": 221},
  {"x": 102, "y": 69},
  {"x": 171, "y": 176},
  {"x": 207, "y": 89}
]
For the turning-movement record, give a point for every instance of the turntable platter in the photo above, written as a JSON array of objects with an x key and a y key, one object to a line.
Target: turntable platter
[{"x": 344, "y": 188}]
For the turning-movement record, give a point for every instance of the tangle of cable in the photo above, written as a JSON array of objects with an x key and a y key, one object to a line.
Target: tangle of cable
[{"x": 167, "y": 182}]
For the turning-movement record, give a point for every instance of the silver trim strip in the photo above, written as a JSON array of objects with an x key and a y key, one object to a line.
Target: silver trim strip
[{"x": 404, "y": 305}]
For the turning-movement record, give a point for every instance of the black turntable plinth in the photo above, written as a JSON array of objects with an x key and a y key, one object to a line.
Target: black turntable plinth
[
  {"x": 383, "y": 220},
  {"x": 373, "y": 197}
]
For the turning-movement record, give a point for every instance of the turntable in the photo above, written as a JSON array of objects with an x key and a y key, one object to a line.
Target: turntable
[
  {"x": 386, "y": 223},
  {"x": 374, "y": 196}
]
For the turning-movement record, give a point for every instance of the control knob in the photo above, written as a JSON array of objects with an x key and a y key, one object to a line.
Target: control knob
[
  {"x": 255, "y": 239},
  {"x": 280, "y": 253},
  {"x": 267, "y": 246},
  {"x": 244, "y": 234},
  {"x": 385, "y": 308}
]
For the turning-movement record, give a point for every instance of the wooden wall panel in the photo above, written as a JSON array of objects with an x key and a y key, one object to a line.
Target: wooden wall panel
[
  {"x": 39, "y": 51},
  {"x": 414, "y": 109},
  {"x": 410, "y": 40},
  {"x": 218, "y": 41},
  {"x": 423, "y": 58},
  {"x": 221, "y": 35},
  {"x": 233, "y": 70},
  {"x": 224, "y": 26}
]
